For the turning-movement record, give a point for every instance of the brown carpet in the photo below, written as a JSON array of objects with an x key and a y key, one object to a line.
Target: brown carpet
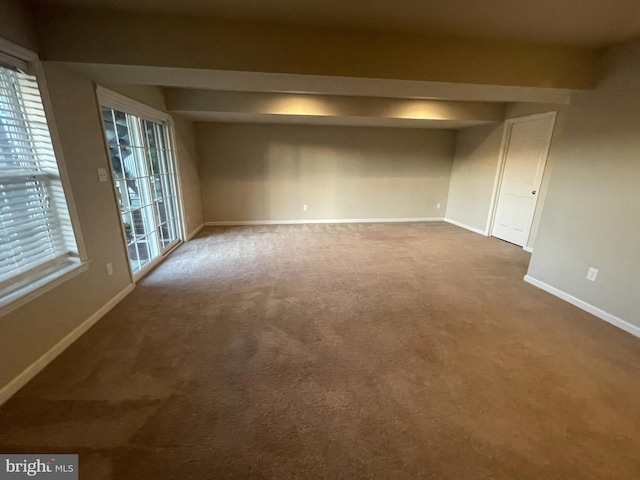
[{"x": 388, "y": 351}]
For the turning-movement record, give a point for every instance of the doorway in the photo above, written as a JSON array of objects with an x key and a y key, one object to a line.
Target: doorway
[
  {"x": 144, "y": 176},
  {"x": 526, "y": 146}
]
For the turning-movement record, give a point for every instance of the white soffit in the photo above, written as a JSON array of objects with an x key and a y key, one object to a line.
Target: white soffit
[
  {"x": 227, "y": 117},
  {"x": 210, "y": 105},
  {"x": 314, "y": 84}
]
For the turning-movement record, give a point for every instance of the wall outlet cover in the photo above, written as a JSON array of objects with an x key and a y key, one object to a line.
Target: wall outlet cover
[{"x": 102, "y": 174}]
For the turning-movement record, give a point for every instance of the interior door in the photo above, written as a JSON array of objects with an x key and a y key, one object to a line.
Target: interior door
[{"x": 527, "y": 146}]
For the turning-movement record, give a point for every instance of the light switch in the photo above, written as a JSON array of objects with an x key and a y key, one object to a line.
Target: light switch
[{"x": 102, "y": 174}]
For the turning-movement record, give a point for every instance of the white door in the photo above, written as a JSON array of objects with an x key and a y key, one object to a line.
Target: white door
[{"x": 527, "y": 146}]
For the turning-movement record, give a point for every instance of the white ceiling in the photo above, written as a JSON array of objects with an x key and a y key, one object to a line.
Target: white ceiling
[{"x": 576, "y": 22}]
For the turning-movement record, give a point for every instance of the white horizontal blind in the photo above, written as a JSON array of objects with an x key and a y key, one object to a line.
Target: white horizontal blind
[{"x": 36, "y": 235}]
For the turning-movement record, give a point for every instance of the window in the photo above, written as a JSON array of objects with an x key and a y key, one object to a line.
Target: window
[
  {"x": 37, "y": 241},
  {"x": 142, "y": 164}
]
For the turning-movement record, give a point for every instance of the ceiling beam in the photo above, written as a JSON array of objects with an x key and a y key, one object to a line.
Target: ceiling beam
[
  {"x": 314, "y": 84},
  {"x": 216, "y": 105}
]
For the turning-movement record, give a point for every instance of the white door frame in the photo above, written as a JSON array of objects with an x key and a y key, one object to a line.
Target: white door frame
[
  {"x": 497, "y": 184},
  {"x": 117, "y": 101}
]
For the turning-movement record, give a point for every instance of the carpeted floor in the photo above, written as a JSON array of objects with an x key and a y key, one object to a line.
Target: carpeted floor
[{"x": 387, "y": 351}]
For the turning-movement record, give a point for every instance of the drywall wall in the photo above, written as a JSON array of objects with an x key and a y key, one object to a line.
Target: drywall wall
[
  {"x": 268, "y": 172},
  {"x": 33, "y": 329},
  {"x": 473, "y": 175},
  {"x": 189, "y": 177},
  {"x": 185, "y": 150},
  {"x": 591, "y": 216}
]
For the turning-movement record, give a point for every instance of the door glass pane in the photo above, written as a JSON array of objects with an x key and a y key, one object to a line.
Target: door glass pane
[
  {"x": 150, "y": 134},
  {"x": 154, "y": 160},
  {"x": 161, "y": 137},
  {"x": 148, "y": 220},
  {"x": 144, "y": 255},
  {"x": 127, "y": 225},
  {"x": 142, "y": 169},
  {"x": 158, "y": 190},
  {"x": 172, "y": 230},
  {"x": 162, "y": 211},
  {"x": 132, "y": 249},
  {"x": 130, "y": 164},
  {"x": 169, "y": 207}
]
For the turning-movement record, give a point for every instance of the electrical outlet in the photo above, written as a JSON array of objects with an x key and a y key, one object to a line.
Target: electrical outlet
[
  {"x": 102, "y": 174},
  {"x": 109, "y": 269},
  {"x": 592, "y": 274},
  {"x": 438, "y": 205},
  {"x": 305, "y": 207}
]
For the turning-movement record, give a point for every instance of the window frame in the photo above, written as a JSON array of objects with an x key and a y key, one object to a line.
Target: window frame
[{"x": 40, "y": 284}]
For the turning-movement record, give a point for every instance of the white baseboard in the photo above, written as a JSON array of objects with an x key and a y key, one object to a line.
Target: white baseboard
[
  {"x": 195, "y": 232},
  {"x": 468, "y": 227},
  {"x": 528, "y": 249},
  {"x": 332, "y": 220},
  {"x": 607, "y": 317},
  {"x": 36, "y": 367}
]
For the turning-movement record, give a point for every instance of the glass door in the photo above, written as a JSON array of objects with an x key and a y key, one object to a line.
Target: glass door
[{"x": 144, "y": 176}]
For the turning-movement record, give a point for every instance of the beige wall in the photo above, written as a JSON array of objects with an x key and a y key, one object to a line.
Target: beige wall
[
  {"x": 189, "y": 176},
  {"x": 592, "y": 212},
  {"x": 473, "y": 175},
  {"x": 33, "y": 329},
  {"x": 185, "y": 149},
  {"x": 267, "y": 172}
]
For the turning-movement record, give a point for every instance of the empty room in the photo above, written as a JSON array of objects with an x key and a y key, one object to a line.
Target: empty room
[{"x": 319, "y": 240}]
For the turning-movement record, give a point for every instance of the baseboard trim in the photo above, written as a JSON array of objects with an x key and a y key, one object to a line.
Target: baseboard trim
[
  {"x": 587, "y": 307},
  {"x": 528, "y": 249},
  {"x": 195, "y": 232},
  {"x": 332, "y": 220},
  {"x": 468, "y": 227},
  {"x": 36, "y": 367}
]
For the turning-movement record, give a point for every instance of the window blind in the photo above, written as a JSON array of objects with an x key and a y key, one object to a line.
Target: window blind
[{"x": 36, "y": 236}]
